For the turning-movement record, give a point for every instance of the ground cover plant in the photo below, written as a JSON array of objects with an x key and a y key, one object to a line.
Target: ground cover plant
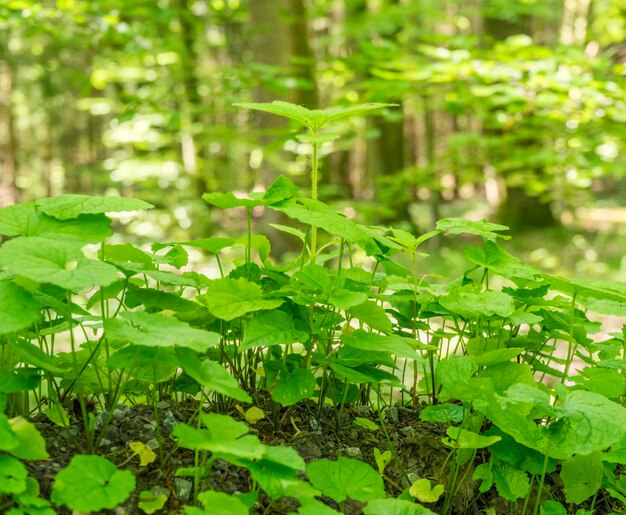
[{"x": 492, "y": 392}]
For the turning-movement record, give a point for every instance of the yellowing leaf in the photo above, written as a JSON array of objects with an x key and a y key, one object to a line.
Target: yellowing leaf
[
  {"x": 423, "y": 491},
  {"x": 146, "y": 455},
  {"x": 254, "y": 414}
]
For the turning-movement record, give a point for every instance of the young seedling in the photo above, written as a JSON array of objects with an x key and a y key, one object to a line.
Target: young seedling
[{"x": 314, "y": 120}]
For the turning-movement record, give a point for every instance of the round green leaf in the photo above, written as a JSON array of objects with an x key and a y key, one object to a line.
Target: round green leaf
[
  {"x": 211, "y": 375},
  {"x": 18, "y": 308},
  {"x": 294, "y": 387},
  {"x": 92, "y": 483},
  {"x": 55, "y": 262},
  {"x": 231, "y": 298},
  {"x": 346, "y": 478},
  {"x": 13, "y": 475},
  {"x": 395, "y": 507},
  {"x": 30, "y": 444}
]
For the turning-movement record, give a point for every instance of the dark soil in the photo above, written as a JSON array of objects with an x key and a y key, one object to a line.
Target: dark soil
[{"x": 417, "y": 445}]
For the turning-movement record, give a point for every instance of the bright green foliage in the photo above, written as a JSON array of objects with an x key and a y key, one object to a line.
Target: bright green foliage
[
  {"x": 29, "y": 445},
  {"x": 423, "y": 490},
  {"x": 66, "y": 207},
  {"x": 148, "y": 364},
  {"x": 314, "y": 119},
  {"x": 292, "y": 387},
  {"x": 218, "y": 503},
  {"x": 382, "y": 459},
  {"x": 318, "y": 331},
  {"x": 231, "y": 298},
  {"x": 495, "y": 259},
  {"x": 445, "y": 412},
  {"x": 17, "y": 307},
  {"x": 91, "y": 483},
  {"x": 153, "y": 500},
  {"x": 224, "y": 437},
  {"x": 158, "y": 330},
  {"x": 552, "y": 508},
  {"x": 210, "y": 375},
  {"x": 56, "y": 262},
  {"x": 362, "y": 340},
  {"x": 511, "y": 483},
  {"x": 474, "y": 305},
  {"x": 346, "y": 478},
  {"x": 581, "y": 476},
  {"x": 28, "y": 220},
  {"x": 395, "y": 507},
  {"x": 483, "y": 228},
  {"x": 13, "y": 475},
  {"x": 462, "y": 439},
  {"x": 271, "y": 328}
]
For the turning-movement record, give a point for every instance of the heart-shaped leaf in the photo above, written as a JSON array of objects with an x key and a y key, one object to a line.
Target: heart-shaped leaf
[
  {"x": 91, "y": 483},
  {"x": 346, "y": 478},
  {"x": 55, "y": 262}
]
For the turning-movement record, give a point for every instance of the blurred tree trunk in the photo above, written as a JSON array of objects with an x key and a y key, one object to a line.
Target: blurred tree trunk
[
  {"x": 519, "y": 209},
  {"x": 192, "y": 103},
  {"x": 270, "y": 39},
  {"x": 8, "y": 141},
  {"x": 279, "y": 40}
]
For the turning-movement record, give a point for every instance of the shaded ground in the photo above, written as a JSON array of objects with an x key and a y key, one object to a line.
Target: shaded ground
[{"x": 418, "y": 448}]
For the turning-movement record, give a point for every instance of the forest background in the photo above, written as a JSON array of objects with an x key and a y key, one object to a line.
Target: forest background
[{"x": 511, "y": 110}]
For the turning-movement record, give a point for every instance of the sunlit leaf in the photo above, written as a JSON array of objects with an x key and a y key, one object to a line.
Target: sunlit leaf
[
  {"x": 18, "y": 307},
  {"x": 423, "y": 491},
  {"x": 484, "y": 229},
  {"x": 231, "y": 298},
  {"x": 346, "y": 478},
  {"x": 65, "y": 207},
  {"x": 398, "y": 345},
  {"x": 56, "y": 262},
  {"x": 497, "y": 260},
  {"x": 395, "y": 507},
  {"x": 91, "y": 483},
  {"x": 271, "y": 328},
  {"x": 158, "y": 330},
  {"x": 27, "y": 220},
  {"x": 293, "y": 387},
  {"x": 511, "y": 482},
  {"x": 211, "y": 374},
  {"x": 13, "y": 475},
  {"x": 581, "y": 476},
  {"x": 146, "y": 455}
]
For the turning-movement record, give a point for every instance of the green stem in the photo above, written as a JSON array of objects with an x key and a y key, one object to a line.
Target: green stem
[
  {"x": 540, "y": 486},
  {"x": 571, "y": 344},
  {"x": 249, "y": 246},
  {"x": 314, "y": 179}
]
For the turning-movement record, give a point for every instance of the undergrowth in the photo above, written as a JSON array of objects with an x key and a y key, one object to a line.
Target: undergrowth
[{"x": 505, "y": 356}]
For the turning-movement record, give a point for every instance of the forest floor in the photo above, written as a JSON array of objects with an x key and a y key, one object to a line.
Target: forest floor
[{"x": 416, "y": 445}]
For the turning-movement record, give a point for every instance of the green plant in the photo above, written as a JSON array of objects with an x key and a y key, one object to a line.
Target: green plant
[{"x": 121, "y": 324}]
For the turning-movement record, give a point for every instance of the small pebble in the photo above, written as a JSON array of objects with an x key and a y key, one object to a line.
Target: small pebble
[
  {"x": 183, "y": 488},
  {"x": 314, "y": 424},
  {"x": 406, "y": 431},
  {"x": 152, "y": 444},
  {"x": 150, "y": 426},
  {"x": 169, "y": 421},
  {"x": 354, "y": 452}
]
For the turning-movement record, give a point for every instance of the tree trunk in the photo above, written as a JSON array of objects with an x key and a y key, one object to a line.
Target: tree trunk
[
  {"x": 519, "y": 210},
  {"x": 8, "y": 142}
]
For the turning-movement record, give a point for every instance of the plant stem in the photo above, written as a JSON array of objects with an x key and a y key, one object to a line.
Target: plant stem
[
  {"x": 314, "y": 179},
  {"x": 540, "y": 486}
]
